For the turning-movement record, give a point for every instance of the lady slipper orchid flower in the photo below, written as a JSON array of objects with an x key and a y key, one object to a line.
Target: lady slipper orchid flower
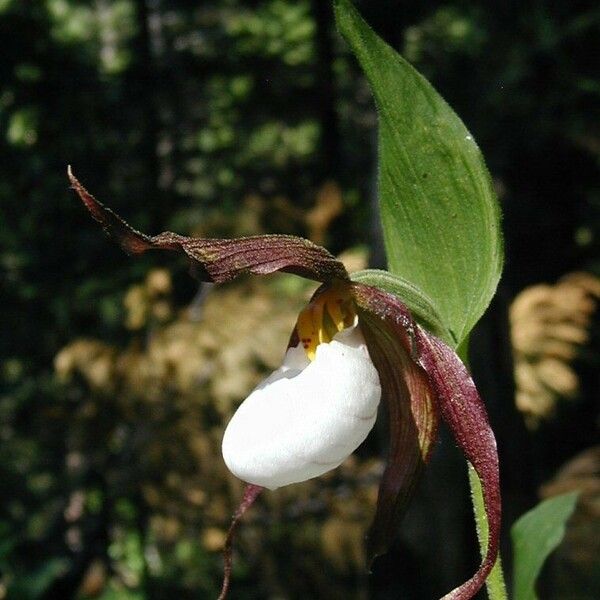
[{"x": 353, "y": 345}]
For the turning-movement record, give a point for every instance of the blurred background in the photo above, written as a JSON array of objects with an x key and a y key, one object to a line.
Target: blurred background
[{"x": 233, "y": 117}]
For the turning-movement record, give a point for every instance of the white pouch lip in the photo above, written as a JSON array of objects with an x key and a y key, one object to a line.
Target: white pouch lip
[{"x": 306, "y": 417}]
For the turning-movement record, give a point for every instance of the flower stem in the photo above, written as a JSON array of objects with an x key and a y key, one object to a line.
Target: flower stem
[{"x": 495, "y": 585}]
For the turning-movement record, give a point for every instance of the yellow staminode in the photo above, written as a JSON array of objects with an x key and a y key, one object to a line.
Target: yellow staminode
[{"x": 330, "y": 312}]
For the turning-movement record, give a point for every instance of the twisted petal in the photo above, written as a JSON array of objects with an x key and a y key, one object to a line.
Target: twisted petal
[
  {"x": 251, "y": 493},
  {"x": 307, "y": 417},
  {"x": 222, "y": 259},
  {"x": 413, "y": 418},
  {"x": 464, "y": 412},
  {"x": 437, "y": 381}
]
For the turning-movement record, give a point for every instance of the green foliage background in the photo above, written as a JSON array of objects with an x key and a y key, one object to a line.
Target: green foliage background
[{"x": 176, "y": 111}]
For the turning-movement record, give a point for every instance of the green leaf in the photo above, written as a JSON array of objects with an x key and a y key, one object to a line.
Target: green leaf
[
  {"x": 440, "y": 217},
  {"x": 534, "y": 536},
  {"x": 420, "y": 305}
]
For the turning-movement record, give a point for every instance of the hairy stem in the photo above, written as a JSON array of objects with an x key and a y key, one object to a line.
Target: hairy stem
[{"x": 495, "y": 585}]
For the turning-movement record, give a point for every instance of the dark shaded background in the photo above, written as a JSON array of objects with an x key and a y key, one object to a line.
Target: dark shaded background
[{"x": 177, "y": 112}]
